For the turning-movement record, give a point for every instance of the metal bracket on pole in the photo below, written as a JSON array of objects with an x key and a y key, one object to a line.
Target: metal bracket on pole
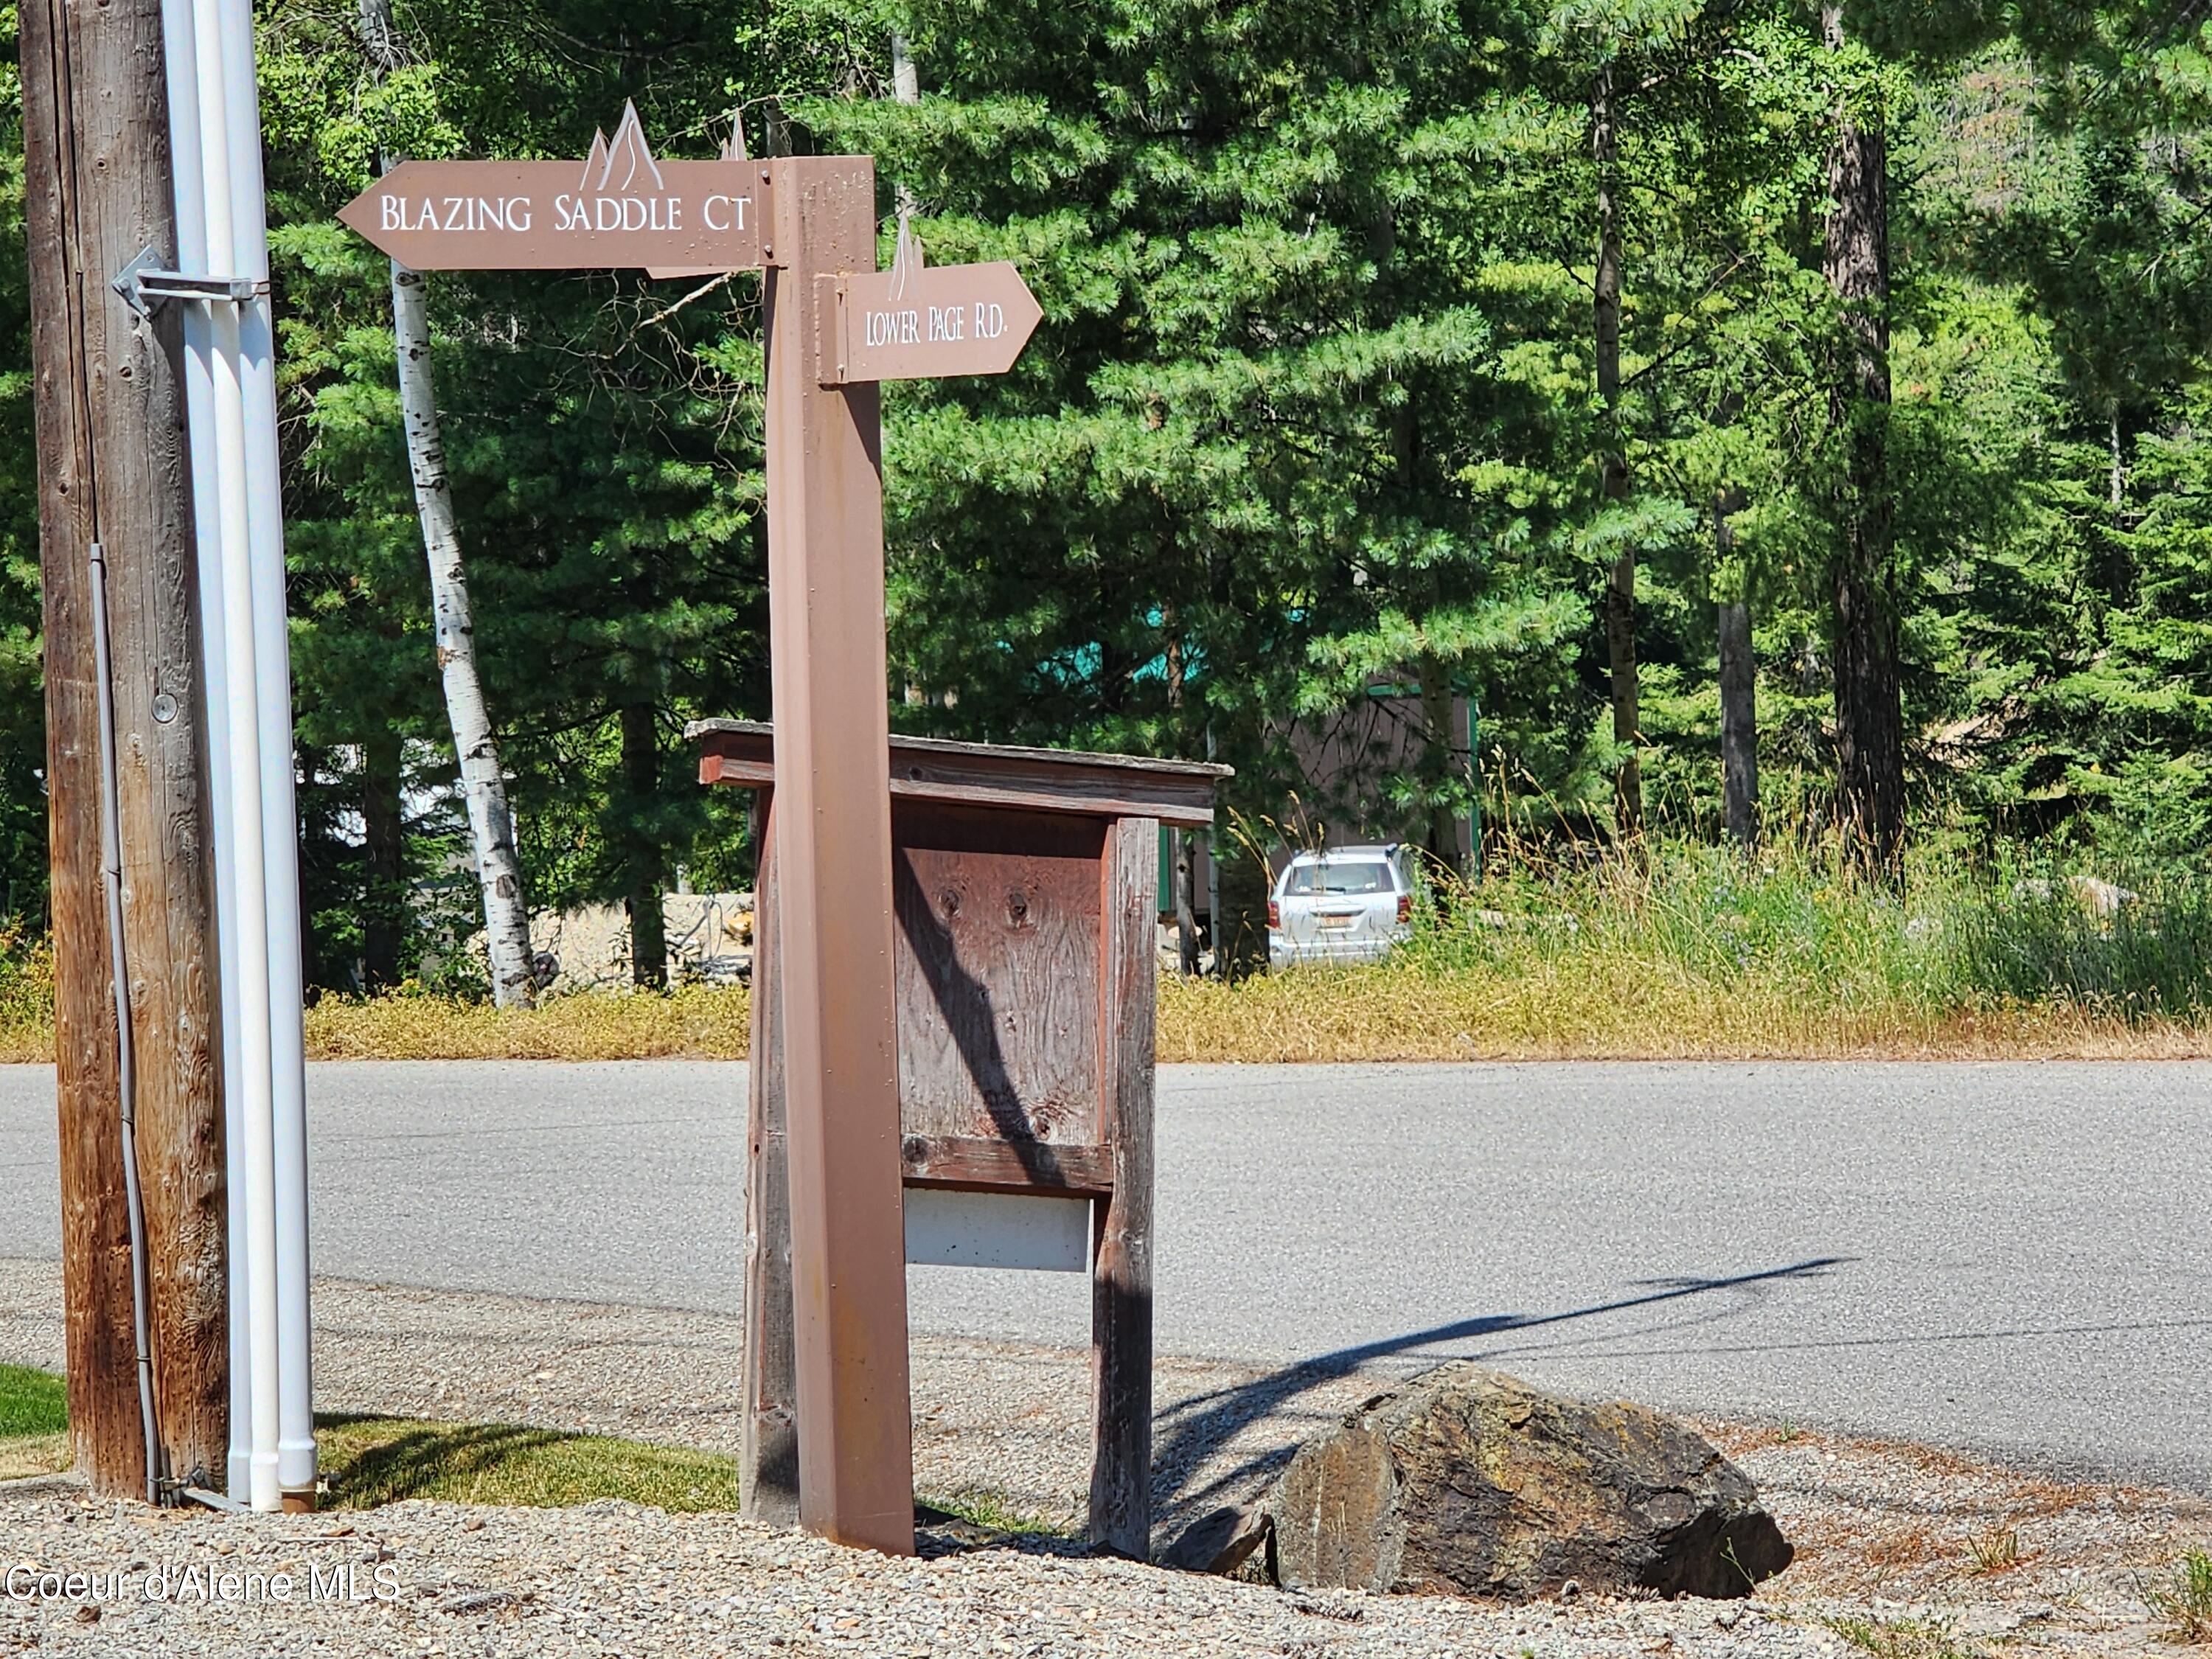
[{"x": 144, "y": 285}]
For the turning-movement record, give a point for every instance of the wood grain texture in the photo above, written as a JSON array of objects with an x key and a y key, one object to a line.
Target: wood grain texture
[
  {"x": 997, "y": 973},
  {"x": 108, "y": 399},
  {"x": 962, "y": 1163},
  {"x": 996, "y": 945},
  {"x": 974, "y": 774},
  {"x": 767, "y": 1447},
  {"x": 1122, "y": 1259}
]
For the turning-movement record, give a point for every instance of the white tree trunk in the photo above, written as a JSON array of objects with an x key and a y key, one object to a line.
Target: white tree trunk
[{"x": 492, "y": 827}]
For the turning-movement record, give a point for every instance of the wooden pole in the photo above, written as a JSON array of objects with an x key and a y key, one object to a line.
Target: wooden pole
[
  {"x": 1121, "y": 1225},
  {"x": 833, "y": 856},
  {"x": 109, "y": 402},
  {"x": 768, "y": 1443}
]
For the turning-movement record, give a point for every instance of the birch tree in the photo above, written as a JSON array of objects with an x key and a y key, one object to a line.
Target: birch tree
[{"x": 491, "y": 825}]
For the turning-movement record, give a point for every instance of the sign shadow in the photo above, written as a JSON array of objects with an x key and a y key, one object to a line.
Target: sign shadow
[{"x": 1191, "y": 1435}]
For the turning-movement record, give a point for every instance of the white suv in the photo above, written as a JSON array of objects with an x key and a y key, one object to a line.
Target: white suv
[{"x": 1341, "y": 904}]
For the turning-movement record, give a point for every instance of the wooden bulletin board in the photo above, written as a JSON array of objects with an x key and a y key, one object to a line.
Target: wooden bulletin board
[{"x": 1025, "y": 885}]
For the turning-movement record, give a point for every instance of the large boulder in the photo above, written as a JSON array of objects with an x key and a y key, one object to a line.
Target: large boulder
[{"x": 1465, "y": 1482}]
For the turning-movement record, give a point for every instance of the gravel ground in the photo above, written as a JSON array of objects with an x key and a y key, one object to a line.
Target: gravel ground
[{"x": 1903, "y": 1550}]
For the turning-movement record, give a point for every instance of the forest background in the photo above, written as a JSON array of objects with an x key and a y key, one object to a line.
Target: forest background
[{"x": 1575, "y": 359}]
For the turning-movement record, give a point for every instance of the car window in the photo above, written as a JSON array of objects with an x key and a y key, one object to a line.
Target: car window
[{"x": 1339, "y": 876}]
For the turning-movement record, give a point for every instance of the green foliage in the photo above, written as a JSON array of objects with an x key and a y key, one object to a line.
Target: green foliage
[
  {"x": 1312, "y": 414},
  {"x": 603, "y": 445},
  {"x": 22, "y": 724}
]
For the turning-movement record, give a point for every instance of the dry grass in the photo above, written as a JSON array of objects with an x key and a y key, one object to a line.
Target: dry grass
[
  {"x": 26, "y": 996},
  {"x": 1616, "y": 1008},
  {"x": 2184, "y": 1604},
  {"x": 27, "y": 1044},
  {"x": 1904, "y": 1639},
  {"x": 1909, "y": 1547},
  {"x": 1562, "y": 1009},
  {"x": 42, "y": 1454},
  {"x": 695, "y": 1023},
  {"x": 1565, "y": 1008},
  {"x": 1676, "y": 952},
  {"x": 1997, "y": 1551}
]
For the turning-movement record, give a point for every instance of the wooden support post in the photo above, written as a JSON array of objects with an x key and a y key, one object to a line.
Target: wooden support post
[
  {"x": 109, "y": 402},
  {"x": 1122, "y": 1256},
  {"x": 834, "y": 872},
  {"x": 767, "y": 1441}
]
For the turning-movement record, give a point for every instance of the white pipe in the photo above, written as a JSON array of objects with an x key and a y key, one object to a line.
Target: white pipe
[
  {"x": 279, "y": 813},
  {"x": 185, "y": 139},
  {"x": 259, "y": 1162}
]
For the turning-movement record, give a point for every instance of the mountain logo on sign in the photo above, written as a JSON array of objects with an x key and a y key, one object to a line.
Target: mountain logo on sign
[{"x": 629, "y": 152}]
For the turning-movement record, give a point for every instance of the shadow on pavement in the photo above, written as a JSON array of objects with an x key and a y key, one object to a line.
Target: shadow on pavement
[{"x": 1187, "y": 1434}]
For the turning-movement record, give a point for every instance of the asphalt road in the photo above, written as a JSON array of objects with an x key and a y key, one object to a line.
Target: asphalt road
[{"x": 2008, "y": 1258}]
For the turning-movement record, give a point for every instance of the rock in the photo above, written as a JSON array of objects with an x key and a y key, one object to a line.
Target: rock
[
  {"x": 1466, "y": 1482},
  {"x": 1218, "y": 1541}
]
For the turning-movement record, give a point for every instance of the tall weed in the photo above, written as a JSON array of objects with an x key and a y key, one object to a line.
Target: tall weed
[
  {"x": 26, "y": 995},
  {"x": 2147, "y": 955}
]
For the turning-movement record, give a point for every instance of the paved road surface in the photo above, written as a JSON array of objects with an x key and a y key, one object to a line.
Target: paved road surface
[{"x": 2016, "y": 1258}]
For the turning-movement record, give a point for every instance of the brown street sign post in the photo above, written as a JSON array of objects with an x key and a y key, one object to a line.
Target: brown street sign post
[
  {"x": 619, "y": 208},
  {"x": 916, "y": 322},
  {"x": 810, "y": 222},
  {"x": 826, "y": 661}
]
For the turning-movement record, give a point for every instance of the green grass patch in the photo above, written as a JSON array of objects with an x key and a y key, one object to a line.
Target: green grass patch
[
  {"x": 369, "y": 1461},
  {"x": 32, "y": 1403},
  {"x": 986, "y": 1512}
]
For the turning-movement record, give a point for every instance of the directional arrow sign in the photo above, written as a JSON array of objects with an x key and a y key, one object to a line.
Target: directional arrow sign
[
  {"x": 620, "y": 208},
  {"x": 912, "y": 323}
]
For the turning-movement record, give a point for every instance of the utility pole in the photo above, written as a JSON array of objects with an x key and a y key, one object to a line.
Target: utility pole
[{"x": 113, "y": 479}]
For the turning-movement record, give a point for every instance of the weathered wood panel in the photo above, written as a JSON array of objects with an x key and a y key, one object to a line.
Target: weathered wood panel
[
  {"x": 997, "y": 973},
  {"x": 1121, "y": 1263},
  {"x": 971, "y": 1031},
  {"x": 768, "y": 1449},
  {"x": 976, "y": 1164},
  {"x": 108, "y": 400}
]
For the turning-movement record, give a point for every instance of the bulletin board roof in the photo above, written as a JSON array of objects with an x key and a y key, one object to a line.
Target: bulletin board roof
[{"x": 1037, "y": 779}]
